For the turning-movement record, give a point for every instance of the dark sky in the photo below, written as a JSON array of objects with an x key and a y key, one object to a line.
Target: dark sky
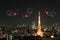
[{"x": 22, "y": 5}]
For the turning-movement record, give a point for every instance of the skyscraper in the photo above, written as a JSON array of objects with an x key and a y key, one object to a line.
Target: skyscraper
[{"x": 33, "y": 25}]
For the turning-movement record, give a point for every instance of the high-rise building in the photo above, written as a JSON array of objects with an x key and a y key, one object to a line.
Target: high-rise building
[{"x": 33, "y": 25}]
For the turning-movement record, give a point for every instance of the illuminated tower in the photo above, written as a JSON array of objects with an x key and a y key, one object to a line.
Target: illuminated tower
[{"x": 39, "y": 29}]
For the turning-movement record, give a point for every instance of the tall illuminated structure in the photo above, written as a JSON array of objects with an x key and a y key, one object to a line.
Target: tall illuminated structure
[{"x": 39, "y": 29}]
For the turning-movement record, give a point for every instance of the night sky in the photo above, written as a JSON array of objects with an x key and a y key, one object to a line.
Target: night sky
[{"x": 23, "y": 5}]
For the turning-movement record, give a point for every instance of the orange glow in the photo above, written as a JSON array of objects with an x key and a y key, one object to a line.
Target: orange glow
[{"x": 39, "y": 31}]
